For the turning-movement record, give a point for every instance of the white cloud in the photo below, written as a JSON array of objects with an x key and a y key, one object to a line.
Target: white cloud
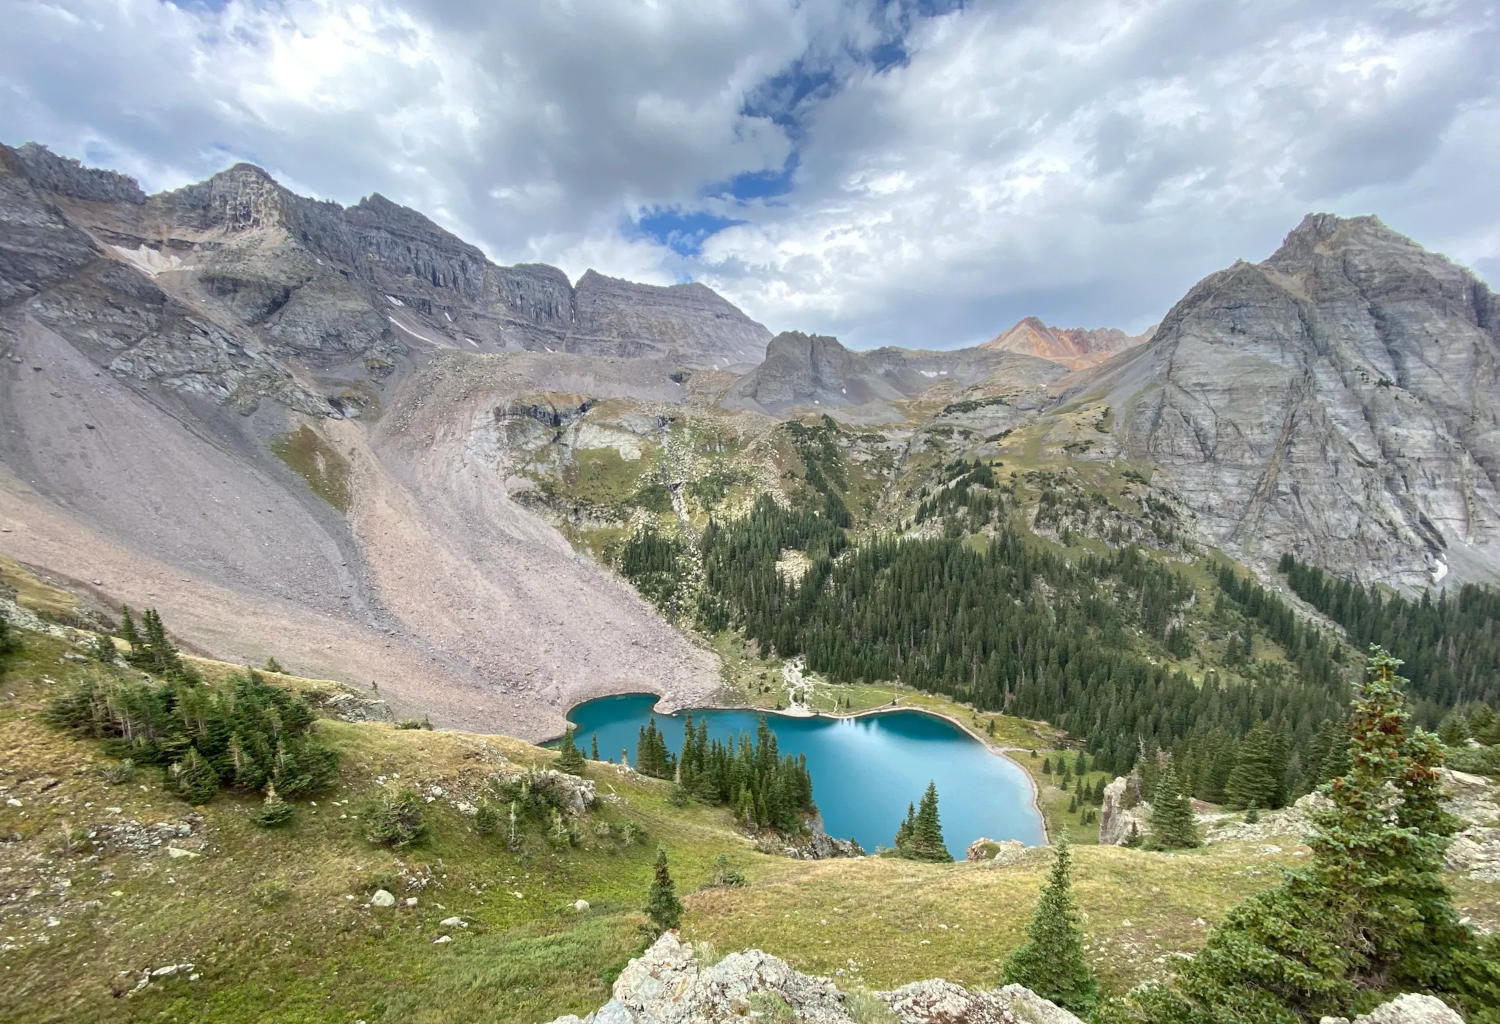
[{"x": 1085, "y": 161}]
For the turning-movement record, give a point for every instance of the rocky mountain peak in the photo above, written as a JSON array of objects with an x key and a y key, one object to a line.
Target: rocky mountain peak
[
  {"x": 1327, "y": 232},
  {"x": 68, "y": 177}
]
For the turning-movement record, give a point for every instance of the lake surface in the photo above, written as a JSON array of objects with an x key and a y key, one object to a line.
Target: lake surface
[{"x": 864, "y": 770}]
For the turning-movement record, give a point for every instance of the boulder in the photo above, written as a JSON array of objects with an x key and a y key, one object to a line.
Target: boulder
[
  {"x": 939, "y": 1002},
  {"x": 580, "y": 906},
  {"x": 1115, "y": 818},
  {"x": 381, "y": 898}
]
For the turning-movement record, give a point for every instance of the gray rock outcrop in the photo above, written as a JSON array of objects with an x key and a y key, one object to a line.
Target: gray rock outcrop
[
  {"x": 1340, "y": 401},
  {"x": 667, "y": 985},
  {"x": 1115, "y": 819}
]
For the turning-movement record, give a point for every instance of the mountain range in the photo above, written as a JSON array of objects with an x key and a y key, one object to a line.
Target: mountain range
[{"x": 345, "y": 437}]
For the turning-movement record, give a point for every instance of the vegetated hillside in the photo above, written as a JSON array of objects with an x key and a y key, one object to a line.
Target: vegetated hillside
[{"x": 123, "y": 901}]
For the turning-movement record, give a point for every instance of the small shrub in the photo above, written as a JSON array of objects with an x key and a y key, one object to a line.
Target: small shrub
[
  {"x": 272, "y": 665},
  {"x": 270, "y": 892},
  {"x": 866, "y": 1009},
  {"x": 396, "y": 820},
  {"x": 411, "y": 723},
  {"x": 725, "y": 876},
  {"x": 118, "y": 773},
  {"x": 274, "y": 812},
  {"x": 487, "y": 819}
]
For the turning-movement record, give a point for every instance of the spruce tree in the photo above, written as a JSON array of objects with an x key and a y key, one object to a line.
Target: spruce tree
[
  {"x": 926, "y": 837},
  {"x": 193, "y": 778},
  {"x": 594, "y": 747},
  {"x": 663, "y": 908},
  {"x": 1253, "y": 779},
  {"x": 131, "y": 636},
  {"x": 1172, "y": 824},
  {"x": 905, "y": 830},
  {"x": 102, "y": 649},
  {"x": 1052, "y": 962},
  {"x": 1370, "y": 914},
  {"x": 569, "y": 758}
]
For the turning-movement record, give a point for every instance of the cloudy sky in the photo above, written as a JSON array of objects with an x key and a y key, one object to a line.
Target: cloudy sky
[{"x": 918, "y": 172}]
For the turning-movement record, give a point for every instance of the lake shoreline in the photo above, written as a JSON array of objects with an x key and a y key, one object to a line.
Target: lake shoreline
[{"x": 664, "y": 706}]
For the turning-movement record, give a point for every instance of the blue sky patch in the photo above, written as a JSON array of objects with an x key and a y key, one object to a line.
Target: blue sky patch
[{"x": 683, "y": 231}]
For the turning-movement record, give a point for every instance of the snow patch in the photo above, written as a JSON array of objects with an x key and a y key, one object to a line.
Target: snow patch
[
  {"x": 471, "y": 341},
  {"x": 933, "y": 373},
  {"x": 150, "y": 261},
  {"x": 394, "y": 301},
  {"x": 414, "y": 334},
  {"x": 1439, "y": 571},
  {"x": 448, "y": 316}
]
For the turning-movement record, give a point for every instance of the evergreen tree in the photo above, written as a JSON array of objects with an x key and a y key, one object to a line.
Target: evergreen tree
[
  {"x": 1172, "y": 824},
  {"x": 924, "y": 838},
  {"x": 905, "y": 830},
  {"x": 103, "y": 649},
  {"x": 131, "y": 636},
  {"x": 274, "y": 812},
  {"x": 1369, "y": 915},
  {"x": 569, "y": 758},
  {"x": 594, "y": 747},
  {"x": 1253, "y": 779},
  {"x": 663, "y": 908},
  {"x": 193, "y": 778},
  {"x": 1052, "y": 962}
]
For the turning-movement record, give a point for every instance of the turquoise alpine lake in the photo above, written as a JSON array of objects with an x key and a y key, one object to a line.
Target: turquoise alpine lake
[{"x": 865, "y": 770}]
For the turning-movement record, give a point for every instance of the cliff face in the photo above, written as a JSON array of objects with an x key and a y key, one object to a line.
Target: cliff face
[
  {"x": 1340, "y": 400},
  {"x": 371, "y": 283}
]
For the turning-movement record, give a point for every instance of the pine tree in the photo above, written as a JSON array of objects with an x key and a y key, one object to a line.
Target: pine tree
[
  {"x": 1253, "y": 779},
  {"x": 569, "y": 758},
  {"x": 1371, "y": 912},
  {"x": 594, "y": 747},
  {"x": 128, "y": 633},
  {"x": 905, "y": 830},
  {"x": 925, "y": 840},
  {"x": 1172, "y": 824},
  {"x": 194, "y": 779},
  {"x": 663, "y": 908},
  {"x": 274, "y": 811},
  {"x": 1052, "y": 962},
  {"x": 102, "y": 650}
]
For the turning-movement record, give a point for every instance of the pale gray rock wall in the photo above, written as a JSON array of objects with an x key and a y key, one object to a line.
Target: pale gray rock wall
[{"x": 1340, "y": 401}]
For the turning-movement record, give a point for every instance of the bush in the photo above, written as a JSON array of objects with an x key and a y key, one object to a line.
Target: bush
[
  {"x": 412, "y": 723},
  {"x": 725, "y": 876},
  {"x": 193, "y": 778},
  {"x": 486, "y": 820},
  {"x": 396, "y": 819},
  {"x": 270, "y": 892},
  {"x": 118, "y": 773},
  {"x": 274, "y": 812}
]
